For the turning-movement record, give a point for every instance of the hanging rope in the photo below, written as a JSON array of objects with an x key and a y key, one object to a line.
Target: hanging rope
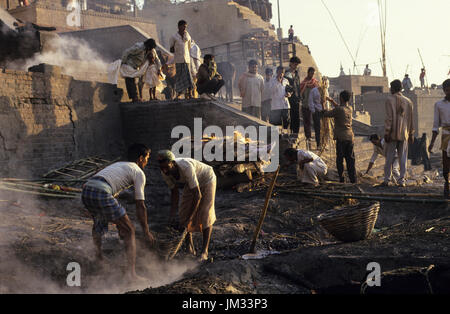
[{"x": 339, "y": 31}]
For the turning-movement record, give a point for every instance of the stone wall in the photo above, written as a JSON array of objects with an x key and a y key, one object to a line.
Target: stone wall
[
  {"x": 48, "y": 119},
  {"x": 210, "y": 23},
  {"x": 359, "y": 84},
  {"x": 152, "y": 123},
  {"x": 423, "y": 106}
]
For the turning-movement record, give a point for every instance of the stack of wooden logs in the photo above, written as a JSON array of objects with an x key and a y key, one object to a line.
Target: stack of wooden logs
[{"x": 241, "y": 173}]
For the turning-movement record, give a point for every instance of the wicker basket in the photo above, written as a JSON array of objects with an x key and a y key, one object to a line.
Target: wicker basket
[{"x": 350, "y": 224}]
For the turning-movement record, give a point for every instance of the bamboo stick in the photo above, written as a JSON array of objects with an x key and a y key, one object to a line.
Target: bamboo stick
[
  {"x": 38, "y": 193},
  {"x": 39, "y": 188},
  {"x": 264, "y": 212},
  {"x": 430, "y": 195},
  {"x": 377, "y": 198}
]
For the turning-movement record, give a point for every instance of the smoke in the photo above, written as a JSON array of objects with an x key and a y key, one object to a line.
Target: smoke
[
  {"x": 40, "y": 237},
  {"x": 74, "y": 56}
]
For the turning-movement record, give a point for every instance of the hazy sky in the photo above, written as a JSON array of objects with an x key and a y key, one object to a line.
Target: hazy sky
[{"x": 411, "y": 24}]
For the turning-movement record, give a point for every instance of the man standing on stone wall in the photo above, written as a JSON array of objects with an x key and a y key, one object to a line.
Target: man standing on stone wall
[
  {"x": 293, "y": 76},
  {"x": 398, "y": 131},
  {"x": 251, "y": 87},
  {"x": 180, "y": 45},
  {"x": 134, "y": 65}
]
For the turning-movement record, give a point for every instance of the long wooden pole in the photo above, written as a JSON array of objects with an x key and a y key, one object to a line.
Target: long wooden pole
[
  {"x": 264, "y": 211},
  {"x": 373, "y": 198},
  {"x": 423, "y": 65}
]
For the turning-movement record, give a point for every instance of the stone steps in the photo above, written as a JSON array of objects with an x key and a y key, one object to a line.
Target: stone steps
[{"x": 256, "y": 23}]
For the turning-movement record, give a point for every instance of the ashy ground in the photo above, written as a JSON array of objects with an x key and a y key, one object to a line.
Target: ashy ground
[{"x": 411, "y": 243}]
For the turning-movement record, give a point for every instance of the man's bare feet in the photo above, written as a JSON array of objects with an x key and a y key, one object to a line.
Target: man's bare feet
[
  {"x": 133, "y": 278},
  {"x": 192, "y": 250},
  {"x": 203, "y": 257}
]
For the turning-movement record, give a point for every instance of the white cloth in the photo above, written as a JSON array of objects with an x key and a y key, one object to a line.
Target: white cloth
[
  {"x": 121, "y": 175},
  {"x": 278, "y": 91},
  {"x": 113, "y": 71},
  {"x": 192, "y": 172},
  {"x": 312, "y": 170},
  {"x": 196, "y": 59},
  {"x": 442, "y": 116},
  {"x": 182, "y": 47},
  {"x": 124, "y": 70},
  {"x": 314, "y": 100},
  {"x": 251, "y": 87},
  {"x": 377, "y": 150},
  {"x": 151, "y": 77}
]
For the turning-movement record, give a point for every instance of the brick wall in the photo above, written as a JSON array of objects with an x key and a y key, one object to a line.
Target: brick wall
[{"x": 48, "y": 119}]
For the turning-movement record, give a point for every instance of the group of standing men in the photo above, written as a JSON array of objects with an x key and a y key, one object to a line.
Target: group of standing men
[
  {"x": 280, "y": 98},
  {"x": 398, "y": 135}
]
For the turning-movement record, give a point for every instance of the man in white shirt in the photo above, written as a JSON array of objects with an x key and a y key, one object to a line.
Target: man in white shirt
[
  {"x": 379, "y": 149},
  {"x": 251, "y": 86},
  {"x": 442, "y": 120},
  {"x": 367, "y": 71},
  {"x": 280, "y": 108},
  {"x": 310, "y": 166},
  {"x": 198, "y": 196},
  {"x": 315, "y": 106},
  {"x": 98, "y": 197},
  {"x": 267, "y": 95},
  {"x": 180, "y": 45}
]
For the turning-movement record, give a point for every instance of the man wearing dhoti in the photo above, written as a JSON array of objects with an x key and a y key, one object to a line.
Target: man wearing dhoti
[
  {"x": 310, "y": 167},
  {"x": 198, "y": 195},
  {"x": 181, "y": 44},
  {"x": 442, "y": 120}
]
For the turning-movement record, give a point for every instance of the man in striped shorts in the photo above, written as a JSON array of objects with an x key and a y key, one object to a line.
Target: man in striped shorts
[{"x": 98, "y": 197}]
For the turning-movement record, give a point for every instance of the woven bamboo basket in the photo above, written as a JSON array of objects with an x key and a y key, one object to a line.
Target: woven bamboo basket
[{"x": 351, "y": 224}]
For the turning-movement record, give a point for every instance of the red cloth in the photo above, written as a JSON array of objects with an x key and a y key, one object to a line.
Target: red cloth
[{"x": 308, "y": 84}]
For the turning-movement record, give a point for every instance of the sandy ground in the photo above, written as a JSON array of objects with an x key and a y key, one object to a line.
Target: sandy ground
[{"x": 40, "y": 237}]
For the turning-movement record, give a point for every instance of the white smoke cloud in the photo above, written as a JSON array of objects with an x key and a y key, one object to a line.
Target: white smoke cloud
[{"x": 73, "y": 55}]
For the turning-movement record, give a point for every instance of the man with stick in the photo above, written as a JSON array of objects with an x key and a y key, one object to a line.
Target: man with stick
[
  {"x": 196, "y": 211},
  {"x": 343, "y": 134},
  {"x": 442, "y": 120}
]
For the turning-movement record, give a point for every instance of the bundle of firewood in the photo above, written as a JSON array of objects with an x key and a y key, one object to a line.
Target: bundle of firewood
[{"x": 243, "y": 169}]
